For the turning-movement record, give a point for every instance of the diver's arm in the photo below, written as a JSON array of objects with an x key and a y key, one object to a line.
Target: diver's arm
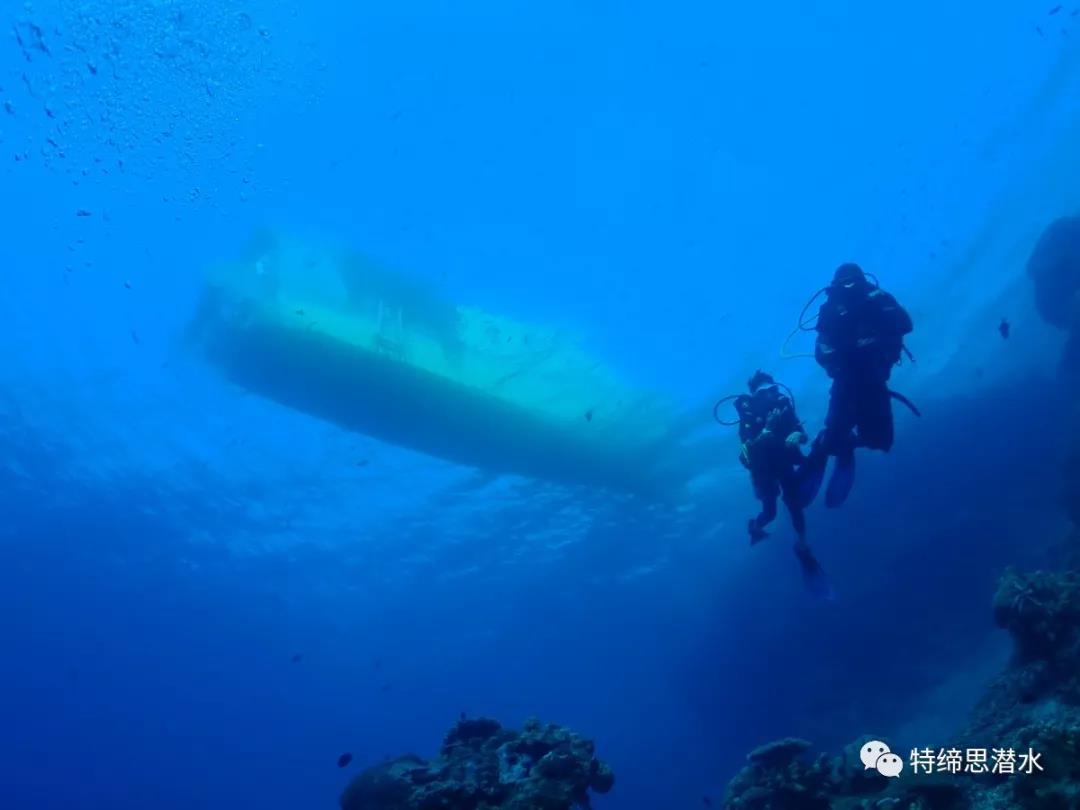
[
  {"x": 796, "y": 433},
  {"x": 788, "y": 424}
]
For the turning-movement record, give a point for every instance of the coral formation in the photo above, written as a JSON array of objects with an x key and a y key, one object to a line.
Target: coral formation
[
  {"x": 1033, "y": 705},
  {"x": 778, "y": 776},
  {"x": 482, "y": 766},
  {"x": 1035, "y": 702}
]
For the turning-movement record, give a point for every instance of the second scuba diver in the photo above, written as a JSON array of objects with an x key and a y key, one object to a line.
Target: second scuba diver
[
  {"x": 771, "y": 435},
  {"x": 860, "y": 337}
]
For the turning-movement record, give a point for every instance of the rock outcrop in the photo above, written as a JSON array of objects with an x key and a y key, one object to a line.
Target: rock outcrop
[
  {"x": 482, "y": 766},
  {"x": 1032, "y": 706}
]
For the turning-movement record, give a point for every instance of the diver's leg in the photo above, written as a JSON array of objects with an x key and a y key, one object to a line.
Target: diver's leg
[
  {"x": 767, "y": 515},
  {"x": 768, "y": 512},
  {"x": 767, "y": 491},
  {"x": 811, "y": 472},
  {"x": 831, "y": 441},
  {"x": 842, "y": 479},
  {"x": 844, "y": 416},
  {"x": 875, "y": 420},
  {"x": 794, "y": 507},
  {"x": 812, "y": 572}
]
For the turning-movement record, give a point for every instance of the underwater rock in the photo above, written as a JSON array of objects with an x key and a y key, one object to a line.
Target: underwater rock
[
  {"x": 779, "y": 754},
  {"x": 777, "y": 775},
  {"x": 1041, "y": 610},
  {"x": 1054, "y": 267},
  {"x": 1033, "y": 705},
  {"x": 483, "y": 766},
  {"x": 782, "y": 780}
]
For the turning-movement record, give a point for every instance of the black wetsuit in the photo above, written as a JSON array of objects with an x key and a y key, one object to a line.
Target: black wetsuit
[
  {"x": 860, "y": 337},
  {"x": 766, "y": 419}
]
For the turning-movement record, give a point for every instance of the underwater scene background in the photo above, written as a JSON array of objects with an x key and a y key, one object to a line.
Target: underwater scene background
[{"x": 212, "y": 585}]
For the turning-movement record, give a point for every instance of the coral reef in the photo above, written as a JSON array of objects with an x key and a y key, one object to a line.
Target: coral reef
[
  {"x": 1041, "y": 611},
  {"x": 1035, "y": 702},
  {"x": 482, "y": 766},
  {"x": 779, "y": 776},
  {"x": 1033, "y": 705}
]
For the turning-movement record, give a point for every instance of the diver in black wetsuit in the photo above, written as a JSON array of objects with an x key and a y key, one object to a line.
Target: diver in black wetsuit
[
  {"x": 860, "y": 338},
  {"x": 771, "y": 434}
]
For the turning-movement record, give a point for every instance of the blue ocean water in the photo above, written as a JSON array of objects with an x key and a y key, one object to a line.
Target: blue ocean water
[{"x": 671, "y": 184}]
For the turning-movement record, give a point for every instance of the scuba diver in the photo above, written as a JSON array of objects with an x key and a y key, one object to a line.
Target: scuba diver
[
  {"x": 771, "y": 436},
  {"x": 860, "y": 337}
]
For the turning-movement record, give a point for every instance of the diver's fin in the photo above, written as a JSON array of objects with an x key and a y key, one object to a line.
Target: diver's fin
[
  {"x": 901, "y": 398},
  {"x": 811, "y": 474},
  {"x": 842, "y": 480},
  {"x": 813, "y": 574}
]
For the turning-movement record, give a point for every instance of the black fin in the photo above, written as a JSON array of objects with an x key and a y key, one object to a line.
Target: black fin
[
  {"x": 813, "y": 574},
  {"x": 842, "y": 480}
]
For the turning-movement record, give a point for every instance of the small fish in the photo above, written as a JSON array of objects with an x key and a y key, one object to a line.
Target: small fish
[
  {"x": 461, "y": 717},
  {"x": 1038, "y": 30},
  {"x": 362, "y": 462},
  {"x": 39, "y": 35},
  {"x": 1054, "y": 11},
  {"x": 1004, "y": 329},
  {"x": 298, "y": 312},
  {"x": 1075, "y": 11},
  {"x": 705, "y": 800},
  {"x": 588, "y": 416},
  {"x": 296, "y": 659},
  {"x": 385, "y": 687},
  {"x": 127, "y": 285},
  {"x": 344, "y": 760},
  {"x": 135, "y": 337},
  {"x": 82, "y": 212}
]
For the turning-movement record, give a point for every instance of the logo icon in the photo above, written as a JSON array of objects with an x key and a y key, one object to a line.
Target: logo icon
[
  {"x": 876, "y": 754},
  {"x": 889, "y": 765}
]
